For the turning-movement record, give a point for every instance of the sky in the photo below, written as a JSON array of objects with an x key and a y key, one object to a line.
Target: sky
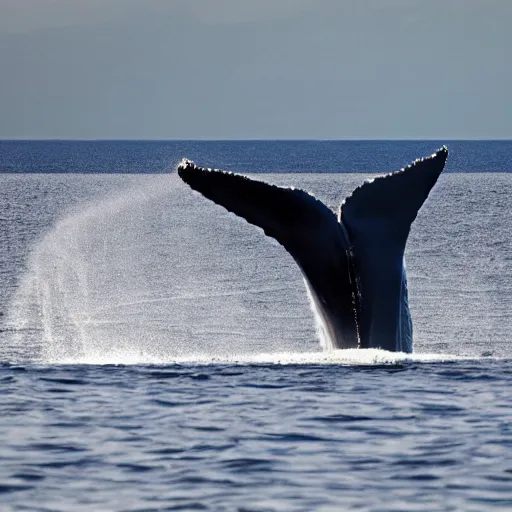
[{"x": 246, "y": 69}]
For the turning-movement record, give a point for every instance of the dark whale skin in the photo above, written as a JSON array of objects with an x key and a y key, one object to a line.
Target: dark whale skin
[{"x": 353, "y": 264}]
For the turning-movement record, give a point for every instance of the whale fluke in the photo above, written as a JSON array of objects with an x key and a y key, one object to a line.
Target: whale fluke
[{"x": 353, "y": 264}]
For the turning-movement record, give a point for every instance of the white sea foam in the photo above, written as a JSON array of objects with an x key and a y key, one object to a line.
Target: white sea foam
[{"x": 349, "y": 357}]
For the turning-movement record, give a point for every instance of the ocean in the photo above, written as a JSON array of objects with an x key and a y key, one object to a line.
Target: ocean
[{"x": 159, "y": 353}]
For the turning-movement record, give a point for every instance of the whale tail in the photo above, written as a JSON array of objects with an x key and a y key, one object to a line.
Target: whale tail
[{"x": 353, "y": 264}]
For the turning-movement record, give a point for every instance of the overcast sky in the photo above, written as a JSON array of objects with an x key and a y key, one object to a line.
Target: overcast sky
[{"x": 237, "y": 69}]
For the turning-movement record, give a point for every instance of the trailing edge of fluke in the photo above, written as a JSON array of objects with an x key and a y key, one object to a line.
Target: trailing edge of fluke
[{"x": 353, "y": 264}]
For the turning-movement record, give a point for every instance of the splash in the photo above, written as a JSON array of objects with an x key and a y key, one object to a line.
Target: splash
[
  {"x": 57, "y": 313},
  {"x": 321, "y": 329},
  {"x": 348, "y": 357}
]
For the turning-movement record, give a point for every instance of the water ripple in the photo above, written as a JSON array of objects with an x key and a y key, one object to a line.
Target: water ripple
[{"x": 263, "y": 437}]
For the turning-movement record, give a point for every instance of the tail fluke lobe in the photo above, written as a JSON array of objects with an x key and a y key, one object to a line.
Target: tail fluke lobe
[
  {"x": 307, "y": 229},
  {"x": 391, "y": 202},
  {"x": 291, "y": 216},
  {"x": 378, "y": 217}
]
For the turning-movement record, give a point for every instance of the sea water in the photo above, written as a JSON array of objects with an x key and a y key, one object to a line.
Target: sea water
[{"x": 159, "y": 353}]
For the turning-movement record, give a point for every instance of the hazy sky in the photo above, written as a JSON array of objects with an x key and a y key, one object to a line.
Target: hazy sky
[{"x": 236, "y": 69}]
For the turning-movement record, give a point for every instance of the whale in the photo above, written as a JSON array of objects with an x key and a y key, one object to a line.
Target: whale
[{"x": 353, "y": 263}]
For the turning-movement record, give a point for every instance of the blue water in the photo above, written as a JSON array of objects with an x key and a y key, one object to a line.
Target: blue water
[
  {"x": 247, "y": 156},
  {"x": 257, "y": 437},
  {"x": 158, "y": 353}
]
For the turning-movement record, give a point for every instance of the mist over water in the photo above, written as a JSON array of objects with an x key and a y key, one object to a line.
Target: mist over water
[{"x": 84, "y": 272}]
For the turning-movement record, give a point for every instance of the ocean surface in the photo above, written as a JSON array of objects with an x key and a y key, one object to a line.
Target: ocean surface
[{"x": 159, "y": 353}]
